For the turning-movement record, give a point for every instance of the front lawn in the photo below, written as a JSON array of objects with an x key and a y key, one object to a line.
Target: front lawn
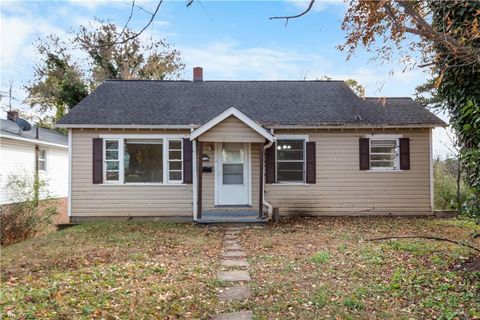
[
  {"x": 141, "y": 270},
  {"x": 324, "y": 269},
  {"x": 301, "y": 269}
]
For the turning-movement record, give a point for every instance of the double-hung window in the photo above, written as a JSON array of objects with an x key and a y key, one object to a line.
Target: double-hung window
[
  {"x": 135, "y": 160},
  {"x": 290, "y": 160},
  {"x": 42, "y": 159},
  {"x": 384, "y": 154},
  {"x": 175, "y": 161},
  {"x": 112, "y": 160}
]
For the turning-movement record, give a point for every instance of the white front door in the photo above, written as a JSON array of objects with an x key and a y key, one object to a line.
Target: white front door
[{"x": 232, "y": 177}]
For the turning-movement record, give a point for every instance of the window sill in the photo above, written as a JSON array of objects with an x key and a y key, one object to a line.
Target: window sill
[
  {"x": 143, "y": 184},
  {"x": 290, "y": 184},
  {"x": 385, "y": 170}
]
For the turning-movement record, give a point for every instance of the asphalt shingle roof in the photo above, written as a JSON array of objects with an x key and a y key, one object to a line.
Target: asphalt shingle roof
[
  {"x": 295, "y": 103},
  {"x": 10, "y": 128}
]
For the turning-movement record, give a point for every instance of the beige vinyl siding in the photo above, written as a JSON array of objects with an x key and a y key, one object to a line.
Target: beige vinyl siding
[
  {"x": 121, "y": 200},
  {"x": 208, "y": 178},
  {"x": 343, "y": 189},
  {"x": 231, "y": 130}
]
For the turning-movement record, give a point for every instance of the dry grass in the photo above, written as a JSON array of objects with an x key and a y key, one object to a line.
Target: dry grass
[
  {"x": 323, "y": 269},
  {"x": 112, "y": 270},
  {"x": 302, "y": 269}
]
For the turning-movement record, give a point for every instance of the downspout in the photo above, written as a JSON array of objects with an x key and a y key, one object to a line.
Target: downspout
[
  {"x": 265, "y": 202},
  {"x": 36, "y": 177}
]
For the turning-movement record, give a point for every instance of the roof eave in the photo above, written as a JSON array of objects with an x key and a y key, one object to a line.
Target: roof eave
[
  {"x": 122, "y": 126},
  {"x": 357, "y": 126},
  {"x": 35, "y": 141}
]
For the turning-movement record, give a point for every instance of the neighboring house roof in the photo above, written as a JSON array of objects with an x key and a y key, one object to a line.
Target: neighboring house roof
[
  {"x": 269, "y": 103},
  {"x": 10, "y": 129}
]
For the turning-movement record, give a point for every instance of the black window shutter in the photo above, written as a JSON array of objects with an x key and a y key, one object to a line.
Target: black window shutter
[
  {"x": 270, "y": 164},
  {"x": 404, "y": 154},
  {"x": 97, "y": 161},
  {"x": 311, "y": 162},
  {"x": 364, "y": 153},
  {"x": 187, "y": 161}
]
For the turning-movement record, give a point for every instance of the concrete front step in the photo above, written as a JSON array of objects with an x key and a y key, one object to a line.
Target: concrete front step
[{"x": 222, "y": 220}]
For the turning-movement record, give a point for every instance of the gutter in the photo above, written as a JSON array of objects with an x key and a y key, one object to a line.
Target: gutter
[
  {"x": 7, "y": 136},
  {"x": 273, "y": 126},
  {"x": 121, "y": 126}
]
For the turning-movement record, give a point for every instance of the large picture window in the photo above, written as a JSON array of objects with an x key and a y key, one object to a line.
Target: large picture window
[
  {"x": 290, "y": 160},
  {"x": 143, "y": 160},
  {"x": 384, "y": 154}
]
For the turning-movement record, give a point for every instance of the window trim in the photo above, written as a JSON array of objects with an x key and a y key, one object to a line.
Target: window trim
[
  {"x": 45, "y": 159},
  {"x": 165, "y": 145},
  {"x": 292, "y": 137},
  {"x": 395, "y": 137},
  {"x": 167, "y": 159},
  {"x": 119, "y": 159}
]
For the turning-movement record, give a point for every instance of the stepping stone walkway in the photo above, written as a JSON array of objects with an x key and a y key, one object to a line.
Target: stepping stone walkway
[{"x": 236, "y": 275}]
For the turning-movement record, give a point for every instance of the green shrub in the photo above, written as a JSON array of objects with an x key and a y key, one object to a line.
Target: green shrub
[{"x": 445, "y": 186}]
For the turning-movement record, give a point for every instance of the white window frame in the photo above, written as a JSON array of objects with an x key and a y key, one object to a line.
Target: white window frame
[
  {"x": 165, "y": 161},
  {"x": 168, "y": 160},
  {"x": 395, "y": 137},
  {"x": 120, "y": 161},
  {"x": 292, "y": 137},
  {"x": 45, "y": 159}
]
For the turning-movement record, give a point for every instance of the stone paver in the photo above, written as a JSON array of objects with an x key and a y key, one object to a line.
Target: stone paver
[
  {"x": 235, "y": 293},
  {"x": 235, "y": 263},
  {"x": 233, "y": 247},
  {"x": 232, "y": 234},
  {"x": 242, "y": 315},
  {"x": 231, "y": 237},
  {"x": 233, "y": 254},
  {"x": 230, "y": 242},
  {"x": 234, "y": 275}
]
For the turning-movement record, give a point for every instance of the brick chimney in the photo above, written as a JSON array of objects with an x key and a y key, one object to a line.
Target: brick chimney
[
  {"x": 12, "y": 115},
  {"x": 198, "y": 74}
]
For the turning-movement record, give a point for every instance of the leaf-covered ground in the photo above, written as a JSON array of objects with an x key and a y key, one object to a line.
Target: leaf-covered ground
[
  {"x": 144, "y": 270},
  {"x": 301, "y": 269},
  {"x": 324, "y": 269}
]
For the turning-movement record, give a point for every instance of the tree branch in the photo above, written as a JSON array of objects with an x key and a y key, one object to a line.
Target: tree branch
[
  {"x": 135, "y": 35},
  {"x": 310, "y": 5},
  {"x": 126, "y": 24},
  {"x": 426, "y": 237}
]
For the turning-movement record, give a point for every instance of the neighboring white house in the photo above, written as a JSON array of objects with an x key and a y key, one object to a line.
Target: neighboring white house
[{"x": 21, "y": 146}]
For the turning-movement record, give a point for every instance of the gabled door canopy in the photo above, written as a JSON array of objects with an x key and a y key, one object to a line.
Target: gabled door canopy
[{"x": 232, "y": 111}]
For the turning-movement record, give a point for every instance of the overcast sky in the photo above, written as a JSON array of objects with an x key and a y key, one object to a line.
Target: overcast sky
[{"x": 231, "y": 40}]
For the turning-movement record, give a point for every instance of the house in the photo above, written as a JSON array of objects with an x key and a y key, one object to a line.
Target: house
[
  {"x": 26, "y": 150},
  {"x": 233, "y": 150}
]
